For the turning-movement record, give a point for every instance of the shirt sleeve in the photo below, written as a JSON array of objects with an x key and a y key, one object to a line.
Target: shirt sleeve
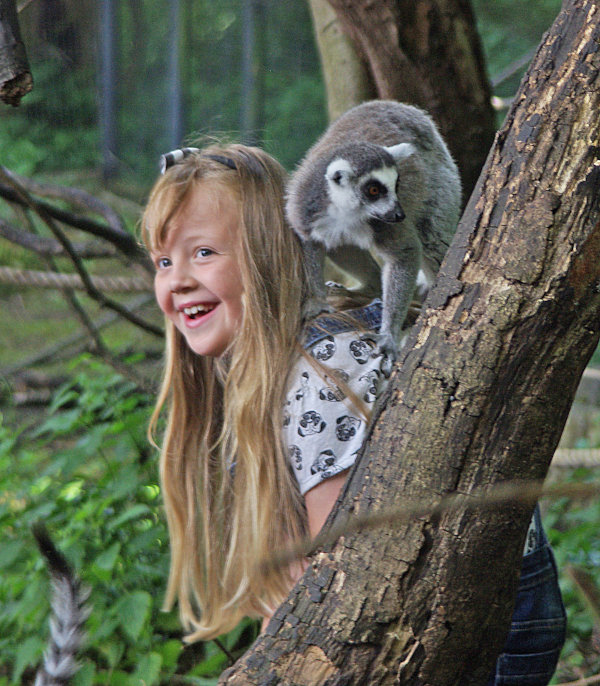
[{"x": 322, "y": 428}]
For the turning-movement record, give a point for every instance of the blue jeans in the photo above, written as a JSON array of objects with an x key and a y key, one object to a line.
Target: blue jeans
[{"x": 537, "y": 631}]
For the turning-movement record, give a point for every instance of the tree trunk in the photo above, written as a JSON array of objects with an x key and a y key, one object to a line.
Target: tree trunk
[
  {"x": 15, "y": 77},
  {"x": 426, "y": 53},
  {"x": 347, "y": 79},
  {"x": 174, "y": 89},
  {"x": 481, "y": 396},
  {"x": 108, "y": 83},
  {"x": 253, "y": 59}
]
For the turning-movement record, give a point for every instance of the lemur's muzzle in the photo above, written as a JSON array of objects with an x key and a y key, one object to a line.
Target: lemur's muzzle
[{"x": 382, "y": 221}]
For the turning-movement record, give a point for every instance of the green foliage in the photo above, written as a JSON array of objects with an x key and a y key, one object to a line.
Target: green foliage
[
  {"x": 574, "y": 534},
  {"x": 55, "y": 127},
  {"x": 87, "y": 472},
  {"x": 510, "y": 29}
]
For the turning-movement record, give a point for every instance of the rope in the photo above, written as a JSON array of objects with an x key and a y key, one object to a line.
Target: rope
[
  {"x": 563, "y": 457},
  {"x": 37, "y": 279},
  {"x": 576, "y": 457}
]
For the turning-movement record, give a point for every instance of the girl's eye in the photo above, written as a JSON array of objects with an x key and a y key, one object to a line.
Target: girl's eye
[
  {"x": 163, "y": 263},
  {"x": 204, "y": 252}
]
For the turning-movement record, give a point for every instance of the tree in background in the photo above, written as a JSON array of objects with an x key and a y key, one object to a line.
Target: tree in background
[{"x": 426, "y": 53}]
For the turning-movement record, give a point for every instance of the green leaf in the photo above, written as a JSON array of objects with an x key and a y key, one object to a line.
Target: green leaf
[
  {"x": 199, "y": 681},
  {"x": 133, "y": 611},
  {"x": 148, "y": 670},
  {"x": 85, "y": 675},
  {"x": 170, "y": 652},
  {"x": 112, "y": 651},
  {"x": 127, "y": 482},
  {"x": 9, "y": 552},
  {"x": 132, "y": 513},
  {"x": 119, "y": 678},
  {"x": 60, "y": 423},
  {"x": 211, "y": 665},
  {"x": 105, "y": 562},
  {"x": 28, "y": 654}
]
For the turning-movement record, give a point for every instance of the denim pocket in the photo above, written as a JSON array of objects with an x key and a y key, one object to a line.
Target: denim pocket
[{"x": 537, "y": 631}]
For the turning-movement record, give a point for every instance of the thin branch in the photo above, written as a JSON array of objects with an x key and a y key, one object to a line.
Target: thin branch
[
  {"x": 124, "y": 241},
  {"x": 512, "y": 68},
  {"x": 76, "y": 196},
  {"x": 126, "y": 371},
  {"x": 508, "y": 493},
  {"x": 588, "y": 589},
  {"x": 54, "y": 351},
  {"x": 586, "y": 681},
  {"x": 99, "y": 348},
  {"x": 92, "y": 291},
  {"x": 223, "y": 648},
  {"x": 69, "y": 295},
  {"x": 48, "y": 246}
]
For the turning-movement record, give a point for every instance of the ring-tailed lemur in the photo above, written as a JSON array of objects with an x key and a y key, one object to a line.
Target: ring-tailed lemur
[
  {"x": 380, "y": 178},
  {"x": 69, "y": 615}
]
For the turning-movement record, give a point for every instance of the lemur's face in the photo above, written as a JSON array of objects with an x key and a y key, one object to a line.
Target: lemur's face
[
  {"x": 372, "y": 194},
  {"x": 198, "y": 282}
]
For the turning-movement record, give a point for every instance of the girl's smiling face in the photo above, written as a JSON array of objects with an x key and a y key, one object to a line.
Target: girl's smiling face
[{"x": 198, "y": 283}]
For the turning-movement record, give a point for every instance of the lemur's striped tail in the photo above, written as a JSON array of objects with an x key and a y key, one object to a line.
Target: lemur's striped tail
[{"x": 68, "y": 616}]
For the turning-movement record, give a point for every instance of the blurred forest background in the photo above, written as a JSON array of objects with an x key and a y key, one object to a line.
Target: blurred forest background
[{"x": 115, "y": 85}]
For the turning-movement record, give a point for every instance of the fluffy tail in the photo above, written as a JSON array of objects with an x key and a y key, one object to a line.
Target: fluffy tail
[{"x": 68, "y": 616}]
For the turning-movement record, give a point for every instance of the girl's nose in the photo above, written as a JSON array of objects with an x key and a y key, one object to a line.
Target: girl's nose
[{"x": 182, "y": 281}]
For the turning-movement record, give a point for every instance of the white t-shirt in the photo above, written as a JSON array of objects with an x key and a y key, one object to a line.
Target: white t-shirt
[{"x": 322, "y": 428}]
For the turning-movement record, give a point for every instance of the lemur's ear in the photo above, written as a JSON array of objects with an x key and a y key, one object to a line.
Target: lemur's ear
[
  {"x": 401, "y": 151},
  {"x": 339, "y": 172}
]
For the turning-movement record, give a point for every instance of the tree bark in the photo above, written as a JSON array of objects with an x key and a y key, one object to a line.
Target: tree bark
[
  {"x": 108, "y": 84},
  {"x": 253, "y": 70},
  {"x": 15, "y": 76},
  {"x": 428, "y": 54},
  {"x": 480, "y": 397},
  {"x": 347, "y": 79}
]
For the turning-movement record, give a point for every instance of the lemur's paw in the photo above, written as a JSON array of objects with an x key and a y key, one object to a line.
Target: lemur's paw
[
  {"x": 388, "y": 345},
  {"x": 314, "y": 307}
]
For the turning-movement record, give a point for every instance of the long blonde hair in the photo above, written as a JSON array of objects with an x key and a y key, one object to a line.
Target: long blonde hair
[{"x": 229, "y": 494}]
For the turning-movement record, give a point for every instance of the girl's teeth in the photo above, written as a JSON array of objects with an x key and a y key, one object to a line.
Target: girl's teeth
[{"x": 195, "y": 309}]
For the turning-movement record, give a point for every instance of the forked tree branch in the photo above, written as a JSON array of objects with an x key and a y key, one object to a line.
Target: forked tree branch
[{"x": 61, "y": 237}]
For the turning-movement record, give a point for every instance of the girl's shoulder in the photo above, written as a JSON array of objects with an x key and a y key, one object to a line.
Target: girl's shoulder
[
  {"x": 348, "y": 346},
  {"x": 331, "y": 389},
  {"x": 346, "y": 341},
  {"x": 362, "y": 320}
]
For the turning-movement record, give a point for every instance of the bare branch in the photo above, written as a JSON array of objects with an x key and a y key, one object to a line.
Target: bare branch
[
  {"x": 63, "y": 347},
  {"x": 499, "y": 495},
  {"x": 92, "y": 291},
  {"x": 49, "y": 247},
  {"x": 76, "y": 196},
  {"x": 122, "y": 240}
]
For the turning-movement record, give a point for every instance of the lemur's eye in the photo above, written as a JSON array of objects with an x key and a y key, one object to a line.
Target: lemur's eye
[{"x": 374, "y": 190}]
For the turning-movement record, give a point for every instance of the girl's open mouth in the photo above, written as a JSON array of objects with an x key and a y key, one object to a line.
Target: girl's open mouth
[{"x": 195, "y": 313}]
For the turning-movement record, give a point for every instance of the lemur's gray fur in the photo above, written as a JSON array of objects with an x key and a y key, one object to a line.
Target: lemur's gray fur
[
  {"x": 68, "y": 616},
  {"x": 380, "y": 178}
]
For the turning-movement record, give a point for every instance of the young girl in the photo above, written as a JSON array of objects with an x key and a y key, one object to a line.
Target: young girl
[{"x": 265, "y": 416}]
